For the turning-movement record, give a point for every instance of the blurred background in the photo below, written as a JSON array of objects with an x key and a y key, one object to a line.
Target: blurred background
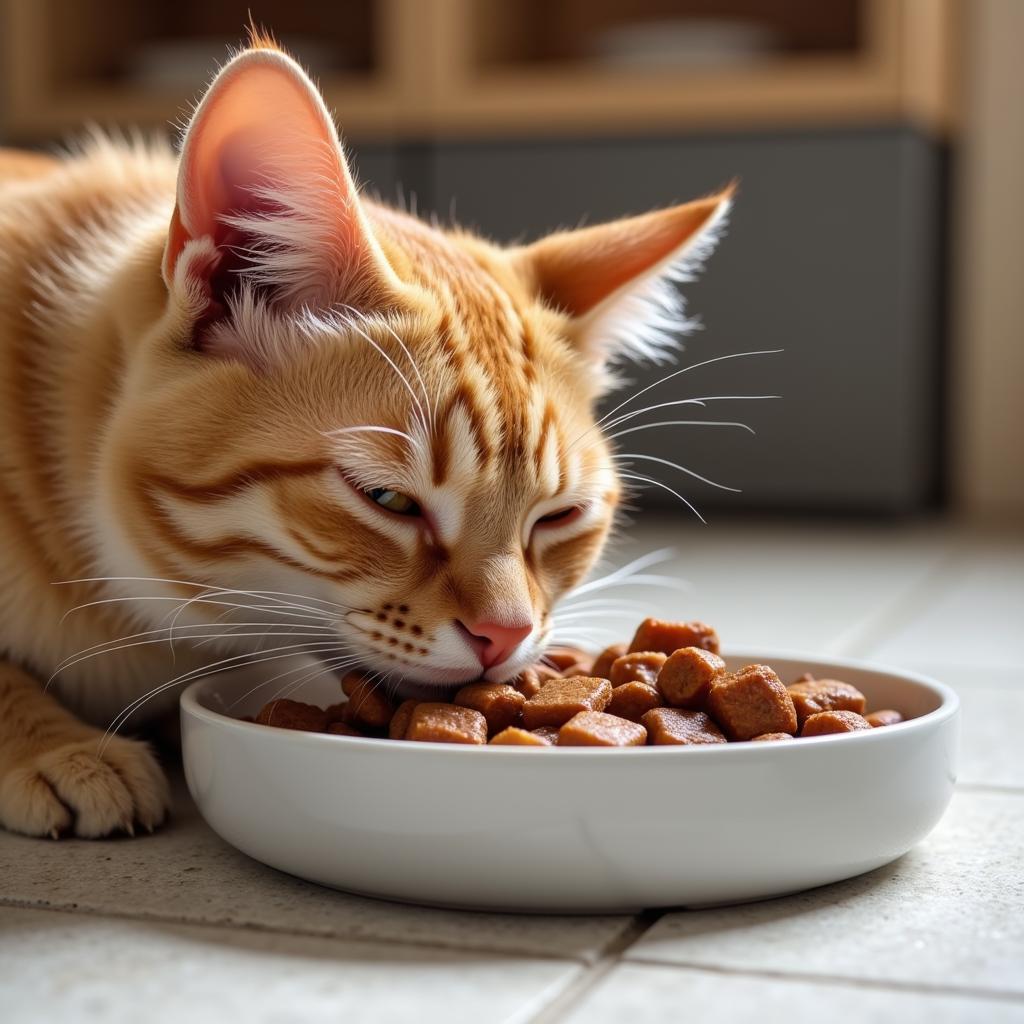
[{"x": 876, "y": 239}]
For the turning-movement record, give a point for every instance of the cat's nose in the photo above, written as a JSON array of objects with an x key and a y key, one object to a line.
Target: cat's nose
[{"x": 494, "y": 642}]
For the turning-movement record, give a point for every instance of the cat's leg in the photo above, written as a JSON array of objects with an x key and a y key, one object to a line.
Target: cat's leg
[{"x": 52, "y": 777}]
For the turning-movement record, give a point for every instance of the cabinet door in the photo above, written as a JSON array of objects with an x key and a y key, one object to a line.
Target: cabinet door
[{"x": 832, "y": 255}]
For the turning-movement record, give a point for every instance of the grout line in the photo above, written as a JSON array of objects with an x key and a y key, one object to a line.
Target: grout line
[
  {"x": 914, "y": 987},
  {"x": 899, "y": 612},
  {"x": 477, "y": 946},
  {"x": 990, "y": 787},
  {"x": 587, "y": 980}
]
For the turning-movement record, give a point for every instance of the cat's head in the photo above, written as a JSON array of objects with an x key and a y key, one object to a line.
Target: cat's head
[{"x": 393, "y": 421}]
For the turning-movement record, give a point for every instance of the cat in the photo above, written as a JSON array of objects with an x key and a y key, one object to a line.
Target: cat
[{"x": 249, "y": 411}]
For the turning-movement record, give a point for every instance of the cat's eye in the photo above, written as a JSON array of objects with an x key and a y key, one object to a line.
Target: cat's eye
[
  {"x": 393, "y": 501},
  {"x": 562, "y": 515}
]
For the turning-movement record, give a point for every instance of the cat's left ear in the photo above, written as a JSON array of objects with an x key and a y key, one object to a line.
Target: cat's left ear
[
  {"x": 263, "y": 179},
  {"x": 618, "y": 281}
]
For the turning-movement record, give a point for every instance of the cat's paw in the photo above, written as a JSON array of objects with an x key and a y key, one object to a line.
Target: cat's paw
[{"x": 71, "y": 789}]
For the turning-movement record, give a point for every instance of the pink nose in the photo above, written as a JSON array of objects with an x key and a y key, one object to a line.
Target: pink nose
[{"x": 492, "y": 642}]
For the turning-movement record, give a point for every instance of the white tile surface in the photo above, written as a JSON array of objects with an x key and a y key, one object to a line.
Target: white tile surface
[
  {"x": 807, "y": 588},
  {"x": 950, "y": 913},
  {"x": 186, "y": 873},
  {"x": 71, "y": 968},
  {"x": 643, "y": 994},
  {"x": 975, "y": 618}
]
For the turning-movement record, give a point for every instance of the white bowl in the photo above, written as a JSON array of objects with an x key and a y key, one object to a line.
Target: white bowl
[{"x": 577, "y": 829}]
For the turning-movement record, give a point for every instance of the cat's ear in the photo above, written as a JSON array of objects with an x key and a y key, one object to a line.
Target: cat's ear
[
  {"x": 618, "y": 281},
  {"x": 264, "y": 181}
]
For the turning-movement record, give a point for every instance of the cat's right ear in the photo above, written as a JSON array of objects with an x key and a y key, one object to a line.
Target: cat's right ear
[{"x": 265, "y": 196}]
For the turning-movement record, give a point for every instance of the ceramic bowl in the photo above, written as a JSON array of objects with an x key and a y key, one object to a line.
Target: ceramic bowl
[{"x": 577, "y": 829}]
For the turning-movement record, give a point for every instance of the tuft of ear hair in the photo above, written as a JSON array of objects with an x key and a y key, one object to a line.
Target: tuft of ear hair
[
  {"x": 263, "y": 177},
  {"x": 619, "y": 281}
]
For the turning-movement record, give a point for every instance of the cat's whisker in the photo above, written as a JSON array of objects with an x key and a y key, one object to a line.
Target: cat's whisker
[
  {"x": 701, "y": 401},
  {"x": 350, "y": 322},
  {"x": 77, "y": 660},
  {"x": 413, "y": 364},
  {"x": 675, "y": 373},
  {"x": 203, "y": 586},
  {"x": 630, "y": 568},
  {"x": 161, "y": 632},
  {"x": 679, "y": 423},
  {"x": 371, "y": 428},
  {"x": 640, "y": 478},
  {"x": 675, "y": 465},
  {"x": 226, "y": 664},
  {"x": 349, "y": 658},
  {"x": 323, "y": 665}
]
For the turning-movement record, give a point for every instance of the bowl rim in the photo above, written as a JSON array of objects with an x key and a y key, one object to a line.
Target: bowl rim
[{"x": 190, "y": 705}]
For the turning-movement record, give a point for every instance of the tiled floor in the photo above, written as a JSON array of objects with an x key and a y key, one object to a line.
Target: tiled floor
[{"x": 179, "y": 926}]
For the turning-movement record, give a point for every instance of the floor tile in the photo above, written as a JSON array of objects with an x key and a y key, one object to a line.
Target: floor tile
[
  {"x": 950, "y": 913},
  {"x": 974, "y": 619},
  {"x": 186, "y": 873},
  {"x": 776, "y": 586},
  {"x": 70, "y": 968},
  {"x": 646, "y": 994}
]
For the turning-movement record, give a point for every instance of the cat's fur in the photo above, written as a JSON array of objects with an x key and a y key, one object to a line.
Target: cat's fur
[{"x": 178, "y": 414}]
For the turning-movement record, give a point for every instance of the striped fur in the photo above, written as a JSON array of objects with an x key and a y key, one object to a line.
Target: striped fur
[{"x": 188, "y": 450}]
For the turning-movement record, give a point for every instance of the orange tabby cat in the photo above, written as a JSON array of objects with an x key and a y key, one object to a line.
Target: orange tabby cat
[{"x": 249, "y": 412}]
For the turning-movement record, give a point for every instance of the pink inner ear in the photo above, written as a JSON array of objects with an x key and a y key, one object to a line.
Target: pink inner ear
[{"x": 261, "y": 124}]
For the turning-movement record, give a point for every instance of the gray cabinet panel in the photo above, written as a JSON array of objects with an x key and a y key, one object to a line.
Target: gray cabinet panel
[{"x": 832, "y": 255}]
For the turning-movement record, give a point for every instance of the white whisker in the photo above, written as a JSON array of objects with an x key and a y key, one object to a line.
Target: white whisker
[
  {"x": 657, "y": 483},
  {"x": 675, "y": 465}
]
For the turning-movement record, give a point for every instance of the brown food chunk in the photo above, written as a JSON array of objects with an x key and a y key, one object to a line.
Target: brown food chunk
[
  {"x": 498, "y": 703},
  {"x": 751, "y": 702},
  {"x": 885, "y": 717},
  {"x": 446, "y": 723},
  {"x": 826, "y": 722},
  {"x": 367, "y": 704},
  {"x": 602, "y": 666},
  {"x": 342, "y": 729},
  {"x": 531, "y": 679},
  {"x": 806, "y": 677},
  {"x": 560, "y": 699},
  {"x": 596, "y": 729},
  {"x": 515, "y": 737},
  {"x": 247, "y": 718},
  {"x": 668, "y": 637},
  {"x": 548, "y": 733},
  {"x": 399, "y": 724},
  {"x": 681, "y": 728},
  {"x": 637, "y": 666},
  {"x": 768, "y": 737},
  {"x": 565, "y": 657},
  {"x": 811, "y": 697},
  {"x": 686, "y": 678},
  {"x": 579, "y": 668},
  {"x": 292, "y": 714},
  {"x": 633, "y": 701}
]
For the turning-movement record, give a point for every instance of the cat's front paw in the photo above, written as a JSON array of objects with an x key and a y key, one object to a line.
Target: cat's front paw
[{"x": 72, "y": 789}]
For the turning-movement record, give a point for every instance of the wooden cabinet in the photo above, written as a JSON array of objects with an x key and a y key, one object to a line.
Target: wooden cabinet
[{"x": 487, "y": 68}]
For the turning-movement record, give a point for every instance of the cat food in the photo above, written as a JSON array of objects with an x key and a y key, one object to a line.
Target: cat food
[
  {"x": 602, "y": 667},
  {"x": 668, "y": 637},
  {"x": 668, "y": 687},
  {"x": 639, "y": 666},
  {"x": 446, "y": 723},
  {"x": 633, "y": 701},
  {"x": 826, "y": 722},
  {"x": 560, "y": 699},
  {"x": 596, "y": 729},
  {"x": 687, "y": 676},
  {"x": 750, "y": 703},
  {"x": 813, "y": 696},
  {"x": 293, "y": 714},
  {"x": 498, "y": 703},
  {"x": 681, "y": 728},
  {"x": 884, "y": 717},
  {"x": 513, "y": 736}
]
